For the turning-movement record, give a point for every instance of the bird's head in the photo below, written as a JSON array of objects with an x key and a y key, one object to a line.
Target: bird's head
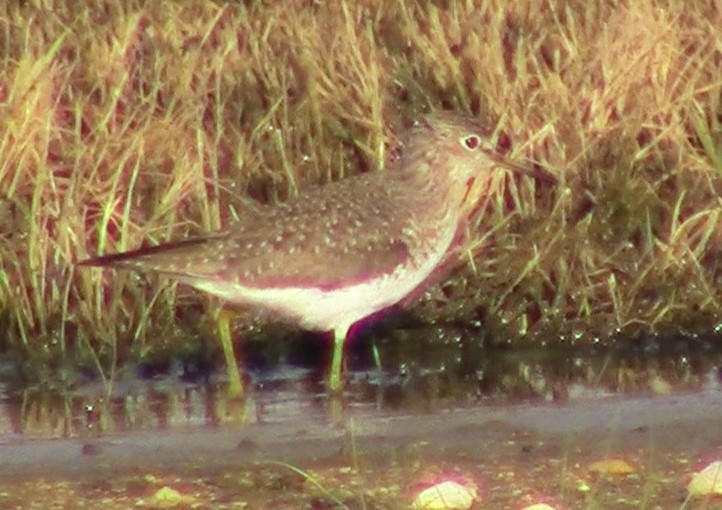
[{"x": 454, "y": 154}]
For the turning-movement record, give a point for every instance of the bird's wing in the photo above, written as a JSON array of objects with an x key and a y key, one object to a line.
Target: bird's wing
[{"x": 310, "y": 242}]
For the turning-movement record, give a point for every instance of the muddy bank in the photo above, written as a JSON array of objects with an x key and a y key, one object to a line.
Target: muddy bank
[{"x": 688, "y": 421}]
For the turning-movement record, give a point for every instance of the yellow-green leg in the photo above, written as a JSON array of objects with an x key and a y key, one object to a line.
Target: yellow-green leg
[
  {"x": 334, "y": 377},
  {"x": 223, "y": 324}
]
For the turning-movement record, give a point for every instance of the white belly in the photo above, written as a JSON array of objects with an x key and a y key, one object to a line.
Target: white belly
[{"x": 324, "y": 310}]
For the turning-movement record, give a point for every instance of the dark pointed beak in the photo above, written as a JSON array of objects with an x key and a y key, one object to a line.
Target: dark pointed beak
[{"x": 538, "y": 173}]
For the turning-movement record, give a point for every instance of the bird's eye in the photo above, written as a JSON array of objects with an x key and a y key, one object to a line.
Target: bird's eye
[{"x": 470, "y": 142}]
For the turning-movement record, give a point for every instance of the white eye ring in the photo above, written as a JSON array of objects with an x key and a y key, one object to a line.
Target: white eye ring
[{"x": 470, "y": 142}]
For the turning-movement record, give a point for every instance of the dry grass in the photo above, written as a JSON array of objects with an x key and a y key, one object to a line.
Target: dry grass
[{"x": 123, "y": 124}]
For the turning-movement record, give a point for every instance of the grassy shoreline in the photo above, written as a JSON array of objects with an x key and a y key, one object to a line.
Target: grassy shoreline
[{"x": 127, "y": 123}]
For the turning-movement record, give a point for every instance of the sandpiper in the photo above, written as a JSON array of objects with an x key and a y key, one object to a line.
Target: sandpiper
[{"x": 338, "y": 253}]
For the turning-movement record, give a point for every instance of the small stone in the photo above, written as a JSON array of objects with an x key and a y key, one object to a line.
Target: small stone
[
  {"x": 445, "y": 496},
  {"x": 167, "y": 497},
  {"x": 612, "y": 467},
  {"x": 707, "y": 482}
]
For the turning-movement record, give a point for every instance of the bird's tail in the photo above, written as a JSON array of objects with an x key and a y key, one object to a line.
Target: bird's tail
[{"x": 143, "y": 256}]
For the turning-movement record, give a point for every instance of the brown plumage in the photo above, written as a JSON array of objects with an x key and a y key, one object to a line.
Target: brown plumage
[{"x": 339, "y": 253}]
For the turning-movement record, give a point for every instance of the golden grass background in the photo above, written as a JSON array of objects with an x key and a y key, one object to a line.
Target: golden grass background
[{"x": 130, "y": 122}]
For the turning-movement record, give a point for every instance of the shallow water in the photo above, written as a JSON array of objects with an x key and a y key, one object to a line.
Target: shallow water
[
  {"x": 442, "y": 410},
  {"x": 441, "y": 379}
]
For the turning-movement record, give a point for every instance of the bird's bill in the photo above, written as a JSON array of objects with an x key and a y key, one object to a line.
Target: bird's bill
[{"x": 535, "y": 172}]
